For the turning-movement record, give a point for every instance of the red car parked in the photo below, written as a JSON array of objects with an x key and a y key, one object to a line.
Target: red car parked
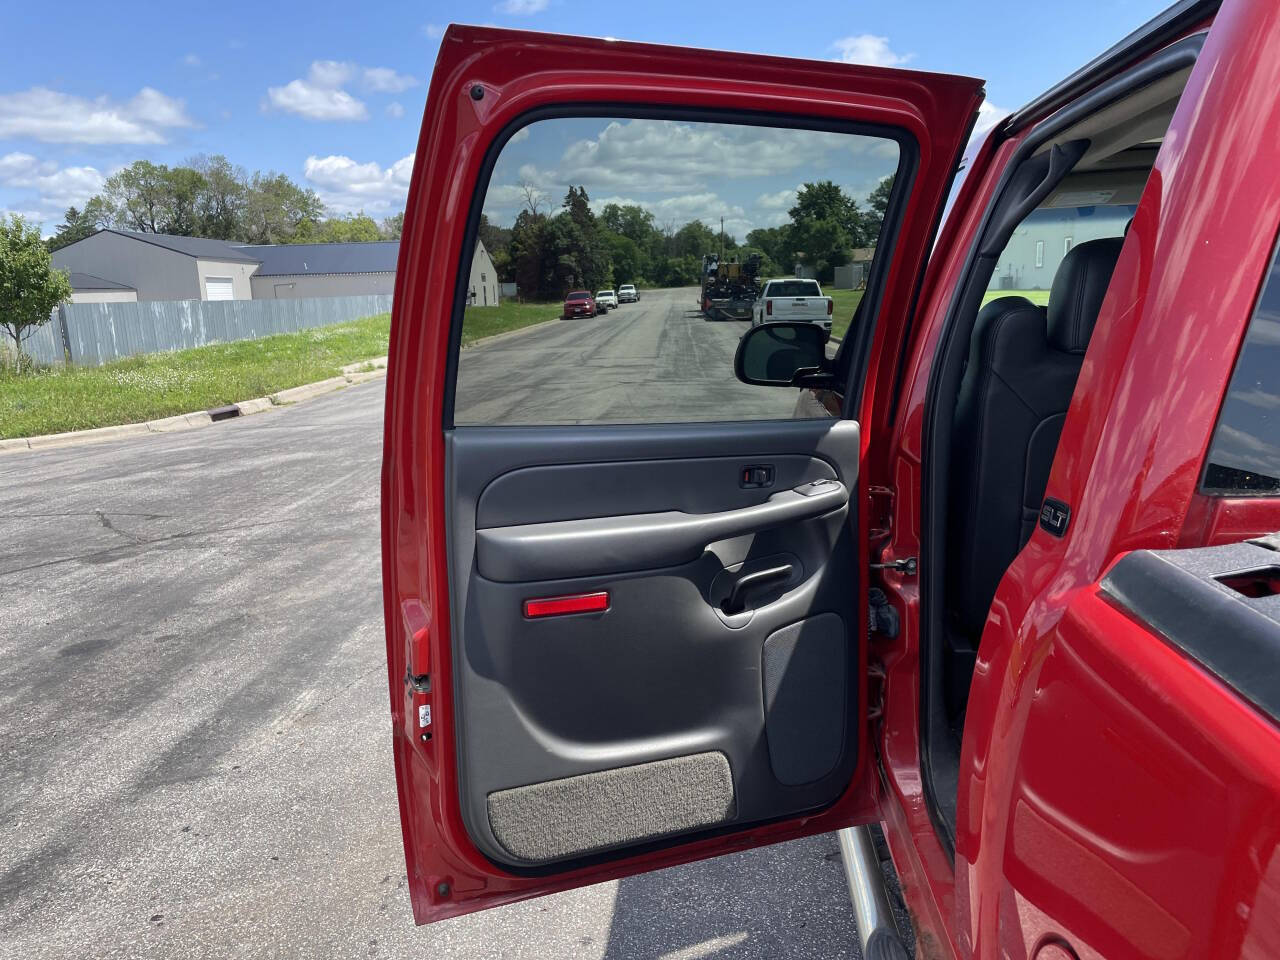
[
  {"x": 579, "y": 303},
  {"x": 1066, "y": 711}
]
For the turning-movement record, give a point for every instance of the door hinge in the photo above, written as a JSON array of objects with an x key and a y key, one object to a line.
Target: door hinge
[
  {"x": 419, "y": 684},
  {"x": 907, "y": 566}
]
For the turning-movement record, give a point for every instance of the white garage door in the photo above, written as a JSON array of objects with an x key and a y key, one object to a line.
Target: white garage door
[{"x": 219, "y": 288}]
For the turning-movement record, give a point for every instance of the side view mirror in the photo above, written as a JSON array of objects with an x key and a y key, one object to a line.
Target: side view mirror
[{"x": 783, "y": 354}]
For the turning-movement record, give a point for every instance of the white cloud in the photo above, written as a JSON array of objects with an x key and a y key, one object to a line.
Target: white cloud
[
  {"x": 988, "y": 116},
  {"x": 432, "y": 31},
  {"x": 316, "y": 103},
  {"x": 782, "y": 200},
  {"x": 192, "y": 60},
  {"x": 869, "y": 49},
  {"x": 330, "y": 73},
  {"x": 386, "y": 80},
  {"x": 521, "y": 134},
  {"x": 320, "y": 96},
  {"x": 54, "y": 117},
  {"x": 45, "y": 189},
  {"x": 394, "y": 109},
  {"x": 522, "y": 7},
  {"x": 346, "y": 186},
  {"x": 669, "y": 156}
]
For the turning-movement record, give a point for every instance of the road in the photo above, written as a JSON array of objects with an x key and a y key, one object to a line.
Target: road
[
  {"x": 657, "y": 361},
  {"x": 196, "y": 748}
]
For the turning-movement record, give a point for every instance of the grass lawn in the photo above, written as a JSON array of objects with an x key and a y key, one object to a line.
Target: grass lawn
[
  {"x": 1038, "y": 297},
  {"x": 844, "y": 303},
  {"x": 479, "y": 322},
  {"x": 163, "y": 384}
]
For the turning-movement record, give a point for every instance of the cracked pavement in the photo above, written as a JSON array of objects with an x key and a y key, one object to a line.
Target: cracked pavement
[{"x": 196, "y": 734}]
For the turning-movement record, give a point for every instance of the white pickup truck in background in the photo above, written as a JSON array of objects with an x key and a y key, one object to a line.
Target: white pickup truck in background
[{"x": 792, "y": 300}]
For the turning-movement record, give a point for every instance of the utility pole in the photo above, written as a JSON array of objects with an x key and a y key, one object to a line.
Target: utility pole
[{"x": 722, "y": 238}]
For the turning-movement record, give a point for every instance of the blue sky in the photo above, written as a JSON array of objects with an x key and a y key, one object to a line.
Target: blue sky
[{"x": 332, "y": 94}]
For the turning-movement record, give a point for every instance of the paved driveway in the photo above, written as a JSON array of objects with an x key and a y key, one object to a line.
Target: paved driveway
[{"x": 195, "y": 733}]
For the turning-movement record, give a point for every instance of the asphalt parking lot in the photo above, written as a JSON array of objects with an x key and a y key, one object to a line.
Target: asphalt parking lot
[{"x": 196, "y": 741}]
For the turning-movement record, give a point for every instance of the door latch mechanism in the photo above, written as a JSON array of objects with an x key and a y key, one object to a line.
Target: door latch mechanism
[{"x": 908, "y": 565}]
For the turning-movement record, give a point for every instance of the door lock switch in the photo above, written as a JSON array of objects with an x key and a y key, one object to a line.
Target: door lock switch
[
  {"x": 760, "y": 475},
  {"x": 816, "y": 487}
]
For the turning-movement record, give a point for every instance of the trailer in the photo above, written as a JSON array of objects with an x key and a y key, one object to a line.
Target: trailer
[{"x": 729, "y": 288}]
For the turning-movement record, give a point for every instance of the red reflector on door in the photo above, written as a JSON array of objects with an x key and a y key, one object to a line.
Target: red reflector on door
[{"x": 559, "y": 606}]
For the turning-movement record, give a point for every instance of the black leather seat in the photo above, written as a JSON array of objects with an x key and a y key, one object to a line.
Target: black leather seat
[{"x": 1022, "y": 369}]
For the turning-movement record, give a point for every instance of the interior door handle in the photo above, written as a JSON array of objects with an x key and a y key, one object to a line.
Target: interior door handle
[
  {"x": 736, "y": 602},
  {"x": 582, "y": 548}
]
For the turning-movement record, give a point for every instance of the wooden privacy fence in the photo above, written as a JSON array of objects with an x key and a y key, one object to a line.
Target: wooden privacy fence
[{"x": 90, "y": 334}]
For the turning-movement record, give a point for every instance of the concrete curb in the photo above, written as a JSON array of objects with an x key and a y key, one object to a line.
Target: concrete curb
[{"x": 352, "y": 373}]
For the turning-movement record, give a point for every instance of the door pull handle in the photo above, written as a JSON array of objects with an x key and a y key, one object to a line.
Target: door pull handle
[{"x": 736, "y": 601}]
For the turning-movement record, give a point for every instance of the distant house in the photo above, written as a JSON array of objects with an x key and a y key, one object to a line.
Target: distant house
[
  {"x": 483, "y": 286},
  {"x": 86, "y": 288},
  {"x": 160, "y": 267},
  {"x": 293, "y": 270},
  {"x": 853, "y": 274}
]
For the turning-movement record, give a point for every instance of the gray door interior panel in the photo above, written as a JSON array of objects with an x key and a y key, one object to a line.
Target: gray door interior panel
[
  {"x": 649, "y": 719},
  {"x": 578, "y": 548}
]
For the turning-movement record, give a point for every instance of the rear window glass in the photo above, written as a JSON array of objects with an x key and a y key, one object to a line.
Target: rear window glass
[
  {"x": 794, "y": 288},
  {"x": 1245, "y": 454}
]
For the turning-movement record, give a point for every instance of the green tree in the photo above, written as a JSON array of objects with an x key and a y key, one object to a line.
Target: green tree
[
  {"x": 76, "y": 225},
  {"x": 824, "y": 244},
  {"x": 277, "y": 210},
  {"x": 30, "y": 288},
  {"x": 878, "y": 206},
  {"x": 775, "y": 244},
  {"x": 631, "y": 221},
  {"x": 185, "y": 188},
  {"x": 356, "y": 228},
  {"x": 393, "y": 226},
  {"x": 495, "y": 239},
  {"x": 694, "y": 239},
  {"x": 529, "y": 264},
  {"x": 825, "y": 200},
  {"x": 138, "y": 197},
  {"x": 220, "y": 207},
  {"x": 627, "y": 258}
]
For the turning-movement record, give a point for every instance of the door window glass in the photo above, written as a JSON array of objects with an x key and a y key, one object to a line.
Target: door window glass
[
  {"x": 1028, "y": 263},
  {"x": 698, "y": 216},
  {"x": 1244, "y": 457}
]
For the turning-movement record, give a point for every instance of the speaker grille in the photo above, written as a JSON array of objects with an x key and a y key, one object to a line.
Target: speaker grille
[{"x": 610, "y": 808}]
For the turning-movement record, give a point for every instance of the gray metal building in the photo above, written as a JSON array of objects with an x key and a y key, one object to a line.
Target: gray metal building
[
  {"x": 86, "y": 288},
  {"x": 290, "y": 271},
  {"x": 161, "y": 267},
  {"x": 1033, "y": 253}
]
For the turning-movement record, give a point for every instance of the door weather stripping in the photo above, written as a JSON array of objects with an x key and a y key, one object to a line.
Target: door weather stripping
[{"x": 877, "y": 932}]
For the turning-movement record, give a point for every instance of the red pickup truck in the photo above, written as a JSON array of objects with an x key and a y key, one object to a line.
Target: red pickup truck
[{"x": 1013, "y": 598}]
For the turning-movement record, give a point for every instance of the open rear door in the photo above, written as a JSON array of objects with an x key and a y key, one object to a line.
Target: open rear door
[{"x": 625, "y": 593}]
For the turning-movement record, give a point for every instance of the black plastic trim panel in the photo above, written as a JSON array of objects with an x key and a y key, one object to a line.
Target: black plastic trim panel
[{"x": 1181, "y": 596}]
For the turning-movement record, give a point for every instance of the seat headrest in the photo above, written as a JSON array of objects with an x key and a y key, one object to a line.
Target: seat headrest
[{"x": 1078, "y": 288}]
